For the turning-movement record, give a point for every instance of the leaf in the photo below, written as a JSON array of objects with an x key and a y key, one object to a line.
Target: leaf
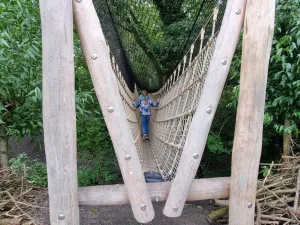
[
  {"x": 279, "y": 29},
  {"x": 31, "y": 54},
  {"x": 288, "y": 66},
  {"x": 3, "y": 58},
  {"x": 4, "y": 42}
]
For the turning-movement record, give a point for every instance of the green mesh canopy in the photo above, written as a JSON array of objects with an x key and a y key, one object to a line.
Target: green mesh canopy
[{"x": 148, "y": 38}]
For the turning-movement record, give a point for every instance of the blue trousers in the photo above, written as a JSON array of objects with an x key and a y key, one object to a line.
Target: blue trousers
[{"x": 145, "y": 125}]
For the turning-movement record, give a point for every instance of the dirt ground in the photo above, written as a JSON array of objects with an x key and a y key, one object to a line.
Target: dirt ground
[{"x": 193, "y": 214}]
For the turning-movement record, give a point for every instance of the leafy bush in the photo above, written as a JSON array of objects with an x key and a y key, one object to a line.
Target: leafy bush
[
  {"x": 96, "y": 158},
  {"x": 21, "y": 67},
  {"x": 98, "y": 163},
  {"x": 283, "y": 88},
  {"x": 110, "y": 177},
  {"x": 36, "y": 172},
  {"x": 282, "y": 97},
  {"x": 217, "y": 156},
  {"x": 215, "y": 145},
  {"x": 87, "y": 176}
]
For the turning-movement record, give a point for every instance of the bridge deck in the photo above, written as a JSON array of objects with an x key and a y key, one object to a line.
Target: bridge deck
[{"x": 148, "y": 158}]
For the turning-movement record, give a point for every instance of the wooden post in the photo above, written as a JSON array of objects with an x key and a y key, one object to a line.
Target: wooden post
[
  {"x": 59, "y": 110},
  {"x": 106, "y": 87},
  {"x": 257, "y": 41},
  {"x": 213, "y": 86}
]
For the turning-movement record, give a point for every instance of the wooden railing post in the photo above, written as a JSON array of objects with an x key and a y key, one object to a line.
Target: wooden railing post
[
  {"x": 216, "y": 76},
  {"x": 106, "y": 88},
  {"x": 257, "y": 41},
  {"x": 59, "y": 110}
]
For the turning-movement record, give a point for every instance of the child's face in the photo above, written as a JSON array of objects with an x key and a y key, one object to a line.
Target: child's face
[{"x": 144, "y": 92}]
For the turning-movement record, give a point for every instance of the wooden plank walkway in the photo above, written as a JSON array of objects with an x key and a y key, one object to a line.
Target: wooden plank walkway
[{"x": 148, "y": 158}]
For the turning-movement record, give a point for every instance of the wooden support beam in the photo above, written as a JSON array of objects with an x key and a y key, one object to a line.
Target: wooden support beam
[
  {"x": 202, "y": 189},
  {"x": 257, "y": 41},
  {"x": 216, "y": 76},
  {"x": 106, "y": 87},
  {"x": 59, "y": 117}
]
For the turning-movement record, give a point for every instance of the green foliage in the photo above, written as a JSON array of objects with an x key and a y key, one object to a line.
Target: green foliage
[
  {"x": 20, "y": 74},
  {"x": 156, "y": 34},
  {"x": 36, "y": 172},
  {"x": 97, "y": 160},
  {"x": 110, "y": 176},
  {"x": 96, "y": 151},
  {"x": 21, "y": 97},
  {"x": 87, "y": 176},
  {"x": 283, "y": 88},
  {"x": 282, "y": 96},
  {"x": 264, "y": 170},
  {"x": 215, "y": 145},
  {"x": 222, "y": 129},
  {"x": 220, "y": 139}
]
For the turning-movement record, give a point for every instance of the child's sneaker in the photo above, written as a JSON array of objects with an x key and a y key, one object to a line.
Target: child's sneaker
[{"x": 144, "y": 137}]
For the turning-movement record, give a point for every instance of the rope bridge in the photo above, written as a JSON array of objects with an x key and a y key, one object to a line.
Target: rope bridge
[
  {"x": 179, "y": 98},
  {"x": 179, "y": 126},
  {"x": 143, "y": 148}
]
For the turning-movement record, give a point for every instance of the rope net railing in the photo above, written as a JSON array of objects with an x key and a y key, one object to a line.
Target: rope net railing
[{"x": 179, "y": 98}]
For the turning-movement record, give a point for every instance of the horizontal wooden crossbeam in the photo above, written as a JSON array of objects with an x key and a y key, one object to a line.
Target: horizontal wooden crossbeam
[{"x": 202, "y": 189}]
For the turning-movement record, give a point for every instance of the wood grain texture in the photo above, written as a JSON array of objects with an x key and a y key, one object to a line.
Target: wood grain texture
[
  {"x": 106, "y": 87},
  {"x": 257, "y": 41},
  {"x": 59, "y": 117},
  {"x": 202, "y": 189},
  {"x": 216, "y": 76}
]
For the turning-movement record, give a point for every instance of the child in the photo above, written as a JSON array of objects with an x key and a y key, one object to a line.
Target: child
[{"x": 144, "y": 102}]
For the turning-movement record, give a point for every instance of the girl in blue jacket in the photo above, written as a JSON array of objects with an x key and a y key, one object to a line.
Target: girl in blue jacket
[{"x": 144, "y": 102}]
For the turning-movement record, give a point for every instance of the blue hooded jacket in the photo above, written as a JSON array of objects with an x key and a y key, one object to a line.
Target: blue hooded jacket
[{"x": 144, "y": 102}]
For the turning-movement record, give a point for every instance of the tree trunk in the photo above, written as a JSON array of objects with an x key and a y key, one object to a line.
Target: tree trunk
[
  {"x": 287, "y": 139},
  {"x": 3, "y": 148}
]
